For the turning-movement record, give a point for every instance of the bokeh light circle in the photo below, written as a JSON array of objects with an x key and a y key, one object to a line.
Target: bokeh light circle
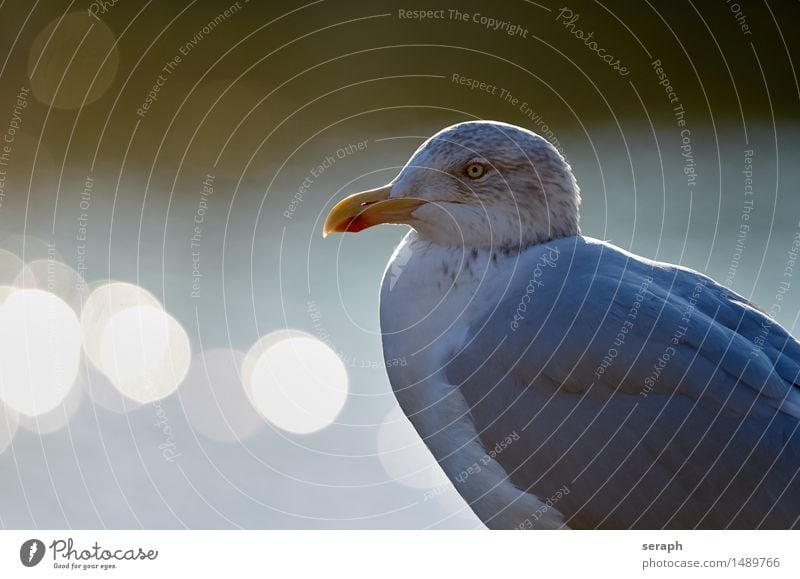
[
  {"x": 143, "y": 351},
  {"x": 103, "y": 302},
  {"x": 9, "y": 420},
  {"x": 10, "y": 266},
  {"x": 55, "y": 277},
  {"x": 39, "y": 351},
  {"x": 295, "y": 381},
  {"x": 57, "y": 418},
  {"x": 66, "y": 56}
]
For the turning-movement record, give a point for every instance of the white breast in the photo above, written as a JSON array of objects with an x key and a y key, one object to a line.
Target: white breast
[{"x": 430, "y": 296}]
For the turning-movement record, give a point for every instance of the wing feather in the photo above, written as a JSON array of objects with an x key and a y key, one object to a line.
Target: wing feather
[{"x": 670, "y": 377}]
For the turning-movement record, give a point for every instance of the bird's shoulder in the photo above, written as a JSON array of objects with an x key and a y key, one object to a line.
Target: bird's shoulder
[{"x": 581, "y": 314}]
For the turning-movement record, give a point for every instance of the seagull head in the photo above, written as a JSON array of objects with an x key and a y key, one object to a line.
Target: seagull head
[{"x": 473, "y": 184}]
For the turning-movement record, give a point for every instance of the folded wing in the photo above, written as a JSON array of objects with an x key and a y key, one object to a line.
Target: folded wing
[{"x": 658, "y": 397}]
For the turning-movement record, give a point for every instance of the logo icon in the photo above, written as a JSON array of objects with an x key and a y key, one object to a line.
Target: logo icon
[{"x": 31, "y": 552}]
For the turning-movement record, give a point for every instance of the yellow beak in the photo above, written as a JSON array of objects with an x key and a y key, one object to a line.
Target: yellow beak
[{"x": 362, "y": 210}]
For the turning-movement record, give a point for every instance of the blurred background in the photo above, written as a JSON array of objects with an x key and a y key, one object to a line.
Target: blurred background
[{"x": 179, "y": 347}]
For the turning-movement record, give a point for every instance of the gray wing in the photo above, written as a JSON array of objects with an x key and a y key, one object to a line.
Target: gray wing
[{"x": 636, "y": 394}]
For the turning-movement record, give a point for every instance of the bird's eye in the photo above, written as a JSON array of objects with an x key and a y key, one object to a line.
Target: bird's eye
[{"x": 475, "y": 170}]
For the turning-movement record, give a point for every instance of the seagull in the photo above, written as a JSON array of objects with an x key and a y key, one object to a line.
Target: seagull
[{"x": 562, "y": 382}]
